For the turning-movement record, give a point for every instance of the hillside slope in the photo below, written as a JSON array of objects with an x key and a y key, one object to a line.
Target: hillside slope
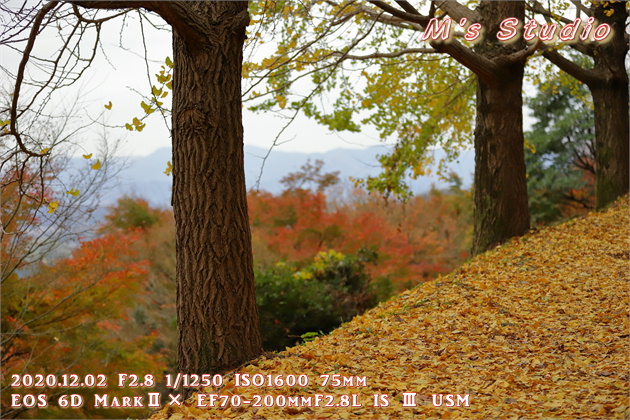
[{"x": 537, "y": 328}]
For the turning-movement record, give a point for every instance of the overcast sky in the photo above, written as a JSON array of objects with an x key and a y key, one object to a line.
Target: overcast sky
[{"x": 117, "y": 71}]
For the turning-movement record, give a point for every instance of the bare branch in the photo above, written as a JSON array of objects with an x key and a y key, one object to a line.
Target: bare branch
[
  {"x": 387, "y": 55},
  {"x": 20, "y": 75},
  {"x": 581, "y": 8},
  {"x": 409, "y": 17},
  {"x": 586, "y": 76},
  {"x": 457, "y": 11}
]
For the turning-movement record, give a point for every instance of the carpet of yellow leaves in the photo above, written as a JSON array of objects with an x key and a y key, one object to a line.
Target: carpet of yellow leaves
[{"x": 537, "y": 328}]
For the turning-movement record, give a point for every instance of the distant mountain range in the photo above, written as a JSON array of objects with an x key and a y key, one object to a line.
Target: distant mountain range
[{"x": 145, "y": 178}]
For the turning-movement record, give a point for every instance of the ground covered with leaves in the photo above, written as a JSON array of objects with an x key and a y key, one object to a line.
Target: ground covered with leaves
[{"x": 537, "y": 328}]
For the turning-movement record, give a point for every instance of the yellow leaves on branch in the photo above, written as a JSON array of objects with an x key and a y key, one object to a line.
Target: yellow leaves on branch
[
  {"x": 108, "y": 106},
  {"x": 74, "y": 192},
  {"x": 97, "y": 165},
  {"x": 536, "y": 328},
  {"x": 146, "y": 107}
]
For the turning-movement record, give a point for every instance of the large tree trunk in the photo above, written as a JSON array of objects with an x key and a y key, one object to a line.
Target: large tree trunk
[
  {"x": 500, "y": 189},
  {"x": 217, "y": 316},
  {"x": 610, "y": 97}
]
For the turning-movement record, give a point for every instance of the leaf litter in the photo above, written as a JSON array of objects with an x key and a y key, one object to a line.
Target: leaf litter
[{"x": 536, "y": 328}]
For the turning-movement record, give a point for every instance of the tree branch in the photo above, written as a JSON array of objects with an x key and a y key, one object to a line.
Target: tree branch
[
  {"x": 20, "y": 75},
  {"x": 387, "y": 55},
  {"x": 578, "y": 45},
  {"x": 586, "y": 76},
  {"x": 481, "y": 66},
  {"x": 519, "y": 55},
  {"x": 486, "y": 69},
  {"x": 388, "y": 19},
  {"x": 177, "y": 14},
  {"x": 457, "y": 11},
  {"x": 409, "y": 17}
]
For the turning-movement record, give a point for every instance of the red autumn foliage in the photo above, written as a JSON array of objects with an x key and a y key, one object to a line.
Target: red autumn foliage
[{"x": 415, "y": 241}]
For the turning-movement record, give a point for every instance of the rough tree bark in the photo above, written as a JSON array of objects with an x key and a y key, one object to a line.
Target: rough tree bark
[
  {"x": 501, "y": 206},
  {"x": 610, "y": 96},
  {"x": 608, "y": 83},
  {"x": 217, "y": 316}
]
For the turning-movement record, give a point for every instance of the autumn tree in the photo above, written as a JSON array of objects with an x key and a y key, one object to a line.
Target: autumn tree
[
  {"x": 58, "y": 319},
  {"x": 216, "y": 307},
  {"x": 401, "y": 34},
  {"x": 607, "y": 79}
]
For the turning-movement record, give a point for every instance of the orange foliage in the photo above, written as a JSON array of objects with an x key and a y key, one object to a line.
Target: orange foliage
[
  {"x": 71, "y": 317},
  {"x": 415, "y": 241}
]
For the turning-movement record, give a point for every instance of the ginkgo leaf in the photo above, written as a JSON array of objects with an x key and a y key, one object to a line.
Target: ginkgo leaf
[
  {"x": 109, "y": 105},
  {"x": 169, "y": 168},
  {"x": 44, "y": 151},
  {"x": 136, "y": 122},
  {"x": 140, "y": 127},
  {"x": 87, "y": 156},
  {"x": 170, "y": 85},
  {"x": 155, "y": 91},
  {"x": 74, "y": 192},
  {"x": 129, "y": 127},
  {"x": 97, "y": 165},
  {"x": 147, "y": 108},
  {"x": 169, "y": 62},
  {"x": 164, "y": 95},
  {"x": 53, "y": 206}
]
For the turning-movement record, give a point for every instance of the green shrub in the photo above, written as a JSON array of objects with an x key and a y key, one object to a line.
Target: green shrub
[{"x": 318, "y": 297}]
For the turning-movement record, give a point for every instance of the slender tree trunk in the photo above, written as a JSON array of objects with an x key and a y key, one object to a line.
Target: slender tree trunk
[
  {"x": 217, "y": 316},
  {"x": 610, "y": 97},
  {"x": 500, "y": 189}
]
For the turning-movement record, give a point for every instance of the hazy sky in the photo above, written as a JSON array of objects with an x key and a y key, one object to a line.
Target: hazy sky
[
  {"x": 117, "y": 71},
  {"x": 119, "y": 74}
]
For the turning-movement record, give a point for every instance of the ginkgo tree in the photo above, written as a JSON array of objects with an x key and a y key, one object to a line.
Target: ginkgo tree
[
  {"x": 216, "y": 305},
  {"x": 396, "y": 69},
  {"x": 424, "y": 99},
  {"x": 607, "y": 79}
]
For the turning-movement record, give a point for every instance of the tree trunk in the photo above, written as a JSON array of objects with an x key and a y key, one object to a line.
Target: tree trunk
[
  {"x": 500, "y": 190},
  {"x": 500, "y": 187},
  {"x": 612, "y": 140},
  {"x": 610, "y": 97},
  {"x": 217, "y": 316}
]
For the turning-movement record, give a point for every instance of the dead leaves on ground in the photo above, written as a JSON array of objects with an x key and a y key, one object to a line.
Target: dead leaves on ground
[{"x": 537, "y": 328}]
